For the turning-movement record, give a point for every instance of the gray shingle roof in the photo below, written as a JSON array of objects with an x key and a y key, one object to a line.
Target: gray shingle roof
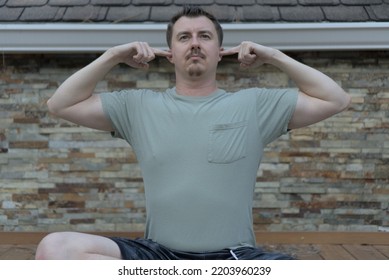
[{"x": 105, "y": 11}]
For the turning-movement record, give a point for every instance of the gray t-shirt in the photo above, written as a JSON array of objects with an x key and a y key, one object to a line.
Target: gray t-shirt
[{"x": 199, "y": 158}]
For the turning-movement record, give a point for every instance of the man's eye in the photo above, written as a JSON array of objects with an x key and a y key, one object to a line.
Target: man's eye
[{"x": 183, "y": 38}]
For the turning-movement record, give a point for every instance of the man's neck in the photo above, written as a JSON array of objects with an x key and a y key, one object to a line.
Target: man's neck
[{"x": 196, "y": 87}]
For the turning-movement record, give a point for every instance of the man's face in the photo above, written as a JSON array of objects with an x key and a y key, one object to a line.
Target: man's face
[{"x": 195, "y": 47}]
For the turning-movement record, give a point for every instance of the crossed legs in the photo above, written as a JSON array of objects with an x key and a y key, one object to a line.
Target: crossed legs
[{"x": 76, "y": 246}]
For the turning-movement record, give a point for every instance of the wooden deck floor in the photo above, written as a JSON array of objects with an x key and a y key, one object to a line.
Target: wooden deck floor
[{"x": 302, "y": 245}]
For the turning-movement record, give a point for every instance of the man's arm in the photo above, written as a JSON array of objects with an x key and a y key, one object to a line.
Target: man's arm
[
  {"x": 74, "y": 99},
  {"x": 319, "y": 98}
]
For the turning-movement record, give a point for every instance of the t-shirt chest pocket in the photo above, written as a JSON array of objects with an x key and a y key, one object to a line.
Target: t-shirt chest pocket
[{"x": 227, "y": 142}]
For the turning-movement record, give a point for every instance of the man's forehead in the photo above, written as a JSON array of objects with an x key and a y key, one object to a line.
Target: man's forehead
[{"x": 189, "y": 24}]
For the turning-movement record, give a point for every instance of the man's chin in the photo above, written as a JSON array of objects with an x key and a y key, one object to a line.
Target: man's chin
[{"x": 195, "y": 71}]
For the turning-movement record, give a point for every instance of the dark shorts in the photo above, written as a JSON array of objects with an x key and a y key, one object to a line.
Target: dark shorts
[{"x": 146, "y": 249}]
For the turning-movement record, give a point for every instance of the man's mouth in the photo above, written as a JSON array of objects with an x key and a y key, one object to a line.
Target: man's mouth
[{"x": 195, "y": 54}]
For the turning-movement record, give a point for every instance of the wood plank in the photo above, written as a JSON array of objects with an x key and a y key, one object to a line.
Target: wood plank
[
  {"x": 309, "y": 257},
  {"x": 373, "y": 238},
  {"x": 299, "y": 251},
  {"x": 363, "y": 252},
  {"x": 19, "y": 253},
  {"x": 383, "y": 249},
  {"x": 305, "y": 253},
  {"x": 4, "y": 248},
  {"x": 19, "y": 238},
  {"x": 334, "y": 252}
]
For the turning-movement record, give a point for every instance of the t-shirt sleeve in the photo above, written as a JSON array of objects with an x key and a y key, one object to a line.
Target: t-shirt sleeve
[
  {"x": 116, "y": 106},
  {"x": 275, "y": 108}
]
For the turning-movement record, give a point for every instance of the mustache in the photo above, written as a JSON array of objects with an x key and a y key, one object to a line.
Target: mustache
[{"x": 195, "y": 52}]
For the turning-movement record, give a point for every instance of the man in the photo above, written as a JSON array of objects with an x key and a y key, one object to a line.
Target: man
[{"x": 199, "y": 147}]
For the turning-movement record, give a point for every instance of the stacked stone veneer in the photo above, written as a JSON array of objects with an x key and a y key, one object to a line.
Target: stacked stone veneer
[{"x": 57, "y": 176}]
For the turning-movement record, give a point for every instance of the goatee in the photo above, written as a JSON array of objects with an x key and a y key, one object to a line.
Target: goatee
[{"x": 195, "y": 71}]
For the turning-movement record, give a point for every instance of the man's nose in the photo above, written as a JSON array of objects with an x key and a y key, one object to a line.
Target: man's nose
[{"x": 195, "y": 42}]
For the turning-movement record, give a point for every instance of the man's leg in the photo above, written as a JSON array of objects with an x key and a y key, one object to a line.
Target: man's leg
[{"x": 77, "y": 246}]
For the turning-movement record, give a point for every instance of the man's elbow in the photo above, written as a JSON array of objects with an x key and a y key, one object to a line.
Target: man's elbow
[
  {"x": 345, "y": 101},
  {"x": 50, "y": 107},
  {"x": 54, "y": 110}
]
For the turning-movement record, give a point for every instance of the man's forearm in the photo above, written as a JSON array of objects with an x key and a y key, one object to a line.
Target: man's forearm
[{"x": 81, "y": 84}]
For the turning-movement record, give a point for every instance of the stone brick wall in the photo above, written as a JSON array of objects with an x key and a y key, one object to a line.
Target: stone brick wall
[{"x": 57, "y": 176}]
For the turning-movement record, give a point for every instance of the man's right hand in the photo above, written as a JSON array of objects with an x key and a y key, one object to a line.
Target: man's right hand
[{"x": 137, "y": 54}]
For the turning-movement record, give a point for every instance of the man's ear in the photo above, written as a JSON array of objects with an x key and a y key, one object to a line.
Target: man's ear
[
  {"x": 220, "y": 51},
  {"x": 170, "y": 57}
]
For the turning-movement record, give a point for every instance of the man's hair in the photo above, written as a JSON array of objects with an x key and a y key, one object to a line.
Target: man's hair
[{"x": 192, "y": 12}]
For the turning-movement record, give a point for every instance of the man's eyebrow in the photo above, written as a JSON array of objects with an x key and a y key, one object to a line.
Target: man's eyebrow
[
  {"x": 200, "y": 32},
  {"x": 206, "y": 32},
  {"x": 182, "y": 33}
]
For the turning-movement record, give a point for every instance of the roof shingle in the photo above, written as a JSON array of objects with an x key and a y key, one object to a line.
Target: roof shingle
[
  {"x": 295, "y": 13},
  {"x": 68, "y": 3},
  {"x": 111, "y": 2},
  {"x": 151, "y": 2},
  {"x": 87, "y": 13},
  {"x": 344, "y": 13},
  {"x": 128, "y": 13},
  {"x": 225, "y": 10},
  {"x": 318, "y": 2},
  {"x": 379, "y": 13},
  {"x": 278, "y": 2},
  {"x": 361, "y": 2},
  {"x": 26, "y": 3},
  {"x": 46, "y": 13}
]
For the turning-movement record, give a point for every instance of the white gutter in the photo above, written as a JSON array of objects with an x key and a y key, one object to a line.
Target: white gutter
[{"x": 85, "y": 37}]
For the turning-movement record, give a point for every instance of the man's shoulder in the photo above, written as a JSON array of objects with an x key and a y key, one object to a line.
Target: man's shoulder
[
  {"x": 263, "y": 92},
  {"x": 246, "y": 92},
  {"x": 139, "y": 91},
  {"x": 130, "y": 93},
  {"x": 251, "y": 90}
]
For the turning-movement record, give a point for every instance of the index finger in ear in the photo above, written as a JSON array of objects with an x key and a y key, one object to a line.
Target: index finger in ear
[
  {"x": 231, "y": 51},
  {"x": 163, "y": 53}
]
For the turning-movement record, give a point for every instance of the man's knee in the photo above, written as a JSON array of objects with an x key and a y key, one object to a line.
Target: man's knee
[{"x": 53, "y": 246}]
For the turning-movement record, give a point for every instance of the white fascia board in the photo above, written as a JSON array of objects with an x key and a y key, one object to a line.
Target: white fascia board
[
  {"x": 85, "y": 37},
  {"x": 314, "y": 36},
  {"x": 76, "y": 37}
]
